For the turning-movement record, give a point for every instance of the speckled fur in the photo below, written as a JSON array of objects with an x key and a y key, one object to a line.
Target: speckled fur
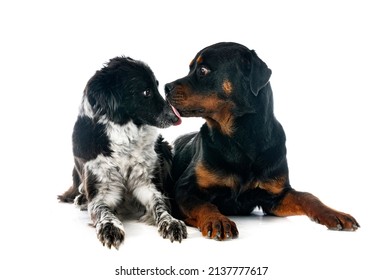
[{"x": 117, "y": 166}]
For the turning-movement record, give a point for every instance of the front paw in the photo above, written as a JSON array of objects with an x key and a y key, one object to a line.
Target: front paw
[
  {"x": 110, "y": 233},
  {"x": 335, "y": 220},
  {"x": 218, "y": 227},
  {"x": 173, "y": 229}
]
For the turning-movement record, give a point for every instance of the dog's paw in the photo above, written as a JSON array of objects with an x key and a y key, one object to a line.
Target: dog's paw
[
  {"x": 335, "y": 220},
  {"x": 110, "y": 233},
  {"x": 81, "y": 202},
  {"x": 218, "y": 227},
  {"x": 173, "y": 229}
]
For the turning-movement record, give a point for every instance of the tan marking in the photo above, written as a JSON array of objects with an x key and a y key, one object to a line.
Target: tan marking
[
  {"x": 191, "y": 63},
  {"x": 199, "y": 60},
  {"x": 288, "y": 207},
  {"x": 299, "y": 203},
  {"x": 274, "y": 186},
  {"x": 227, "y": 87},
  {"x": 303, "y": 203},
  {"x": 197, "y": 213},
  {"x": 206, "y": 216},
  {"x": 207, "y": 178},
  {"x": 223, "y": 120},
  {"x": 217, "y": 111}
]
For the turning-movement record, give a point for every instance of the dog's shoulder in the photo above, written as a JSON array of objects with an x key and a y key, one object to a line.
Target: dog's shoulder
[
  {"x": 89, "y": 139},
  {"x": 186, "y": 142},
  {"x": 186, "y": 147}
]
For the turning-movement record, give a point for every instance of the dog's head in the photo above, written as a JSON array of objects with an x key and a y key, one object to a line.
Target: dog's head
[
  {"x": 224, "y": 81},
  {"x": 126, "y": 90}
]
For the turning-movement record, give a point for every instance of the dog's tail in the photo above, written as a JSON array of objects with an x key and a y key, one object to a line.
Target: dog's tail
[
  {"x": 165, "y": 160},
  {"x": 73, "y": 191}
]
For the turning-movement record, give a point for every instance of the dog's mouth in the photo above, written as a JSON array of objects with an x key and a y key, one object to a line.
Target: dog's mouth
[
  {"x": 186, "y": 111},
  {"x": 181, "y": 111},
  {"x": 178, "y": 115},
  {"x": 192, "y": 112}
]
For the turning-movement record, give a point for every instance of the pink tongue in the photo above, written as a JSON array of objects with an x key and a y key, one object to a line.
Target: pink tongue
[{"x": 177, "y": 114}]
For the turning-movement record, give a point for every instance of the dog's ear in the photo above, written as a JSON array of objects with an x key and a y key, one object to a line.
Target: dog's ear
[
  {"x": 259, "y": 73},
  {"x": 101, "y": 98}
]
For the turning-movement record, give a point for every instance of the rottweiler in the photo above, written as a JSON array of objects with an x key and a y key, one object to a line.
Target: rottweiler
[{"x": 237, "y": 161}]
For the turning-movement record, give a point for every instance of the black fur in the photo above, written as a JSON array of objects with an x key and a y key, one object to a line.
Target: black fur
[
  {"x": 237, "y": 161},
  {"x": 120, "y": 161}
]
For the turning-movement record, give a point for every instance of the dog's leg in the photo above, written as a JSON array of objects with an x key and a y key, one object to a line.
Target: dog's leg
[
  {"x": 210, "y": 221},
  {"x": 104, "y": 196},
  {"x": 73, "y": 191},
  {"x": 302, "y": 203},
  {"x": 157, "y": 210},
  {"x": 109, "y": 228},
  {"x": 80, "y": 201},
  {"x": 200, "y": 213}
]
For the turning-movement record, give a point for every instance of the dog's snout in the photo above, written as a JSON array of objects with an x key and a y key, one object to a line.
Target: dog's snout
[{"x": 168, "y": 88}]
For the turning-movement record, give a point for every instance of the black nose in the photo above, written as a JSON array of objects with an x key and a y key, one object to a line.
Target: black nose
[{"x": 168, "y": 88}]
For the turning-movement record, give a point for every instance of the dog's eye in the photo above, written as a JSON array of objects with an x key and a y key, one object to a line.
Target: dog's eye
[
  {"x": 203, "y": 71},
  {"x": 147, "y": 93}
]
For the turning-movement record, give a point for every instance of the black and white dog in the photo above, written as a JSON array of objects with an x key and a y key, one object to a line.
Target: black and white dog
[{"x": 120, "y": 159}]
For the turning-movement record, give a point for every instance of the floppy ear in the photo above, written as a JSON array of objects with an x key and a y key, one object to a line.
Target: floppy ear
[
  {"x": 101, "y": 98},
  {"x": 259, "y": 73}
]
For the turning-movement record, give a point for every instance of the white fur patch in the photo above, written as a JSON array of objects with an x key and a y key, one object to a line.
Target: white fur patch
[
  {"x": 126, "y": 176},
  {"x": 131, "y": 164},
  {"x": 86, "y": 108}
]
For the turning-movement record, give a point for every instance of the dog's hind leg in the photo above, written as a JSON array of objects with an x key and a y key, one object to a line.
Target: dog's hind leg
[
  {"x": 81, "y": 201},
  {"x": 73, "y": 191},
  {"x": 158, "y": 212}
]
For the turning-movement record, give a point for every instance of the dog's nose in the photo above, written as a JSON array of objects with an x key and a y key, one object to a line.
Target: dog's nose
[{"x": 168, "y": 88}]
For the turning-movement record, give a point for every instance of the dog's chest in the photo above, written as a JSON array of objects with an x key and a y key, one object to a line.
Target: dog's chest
[
  {"x": 237, "y": 182},
  {"x": 133, "y": 148}
]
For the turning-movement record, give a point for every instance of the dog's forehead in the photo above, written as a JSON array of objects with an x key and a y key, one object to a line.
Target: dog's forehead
[
  {"x": 142, "y": 70},
  {"x": 218, "y": 54},
  {"x": 127, "y": 64}
]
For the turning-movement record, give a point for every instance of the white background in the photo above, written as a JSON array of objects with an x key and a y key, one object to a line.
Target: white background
[{"x": 326, "y": 58}]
